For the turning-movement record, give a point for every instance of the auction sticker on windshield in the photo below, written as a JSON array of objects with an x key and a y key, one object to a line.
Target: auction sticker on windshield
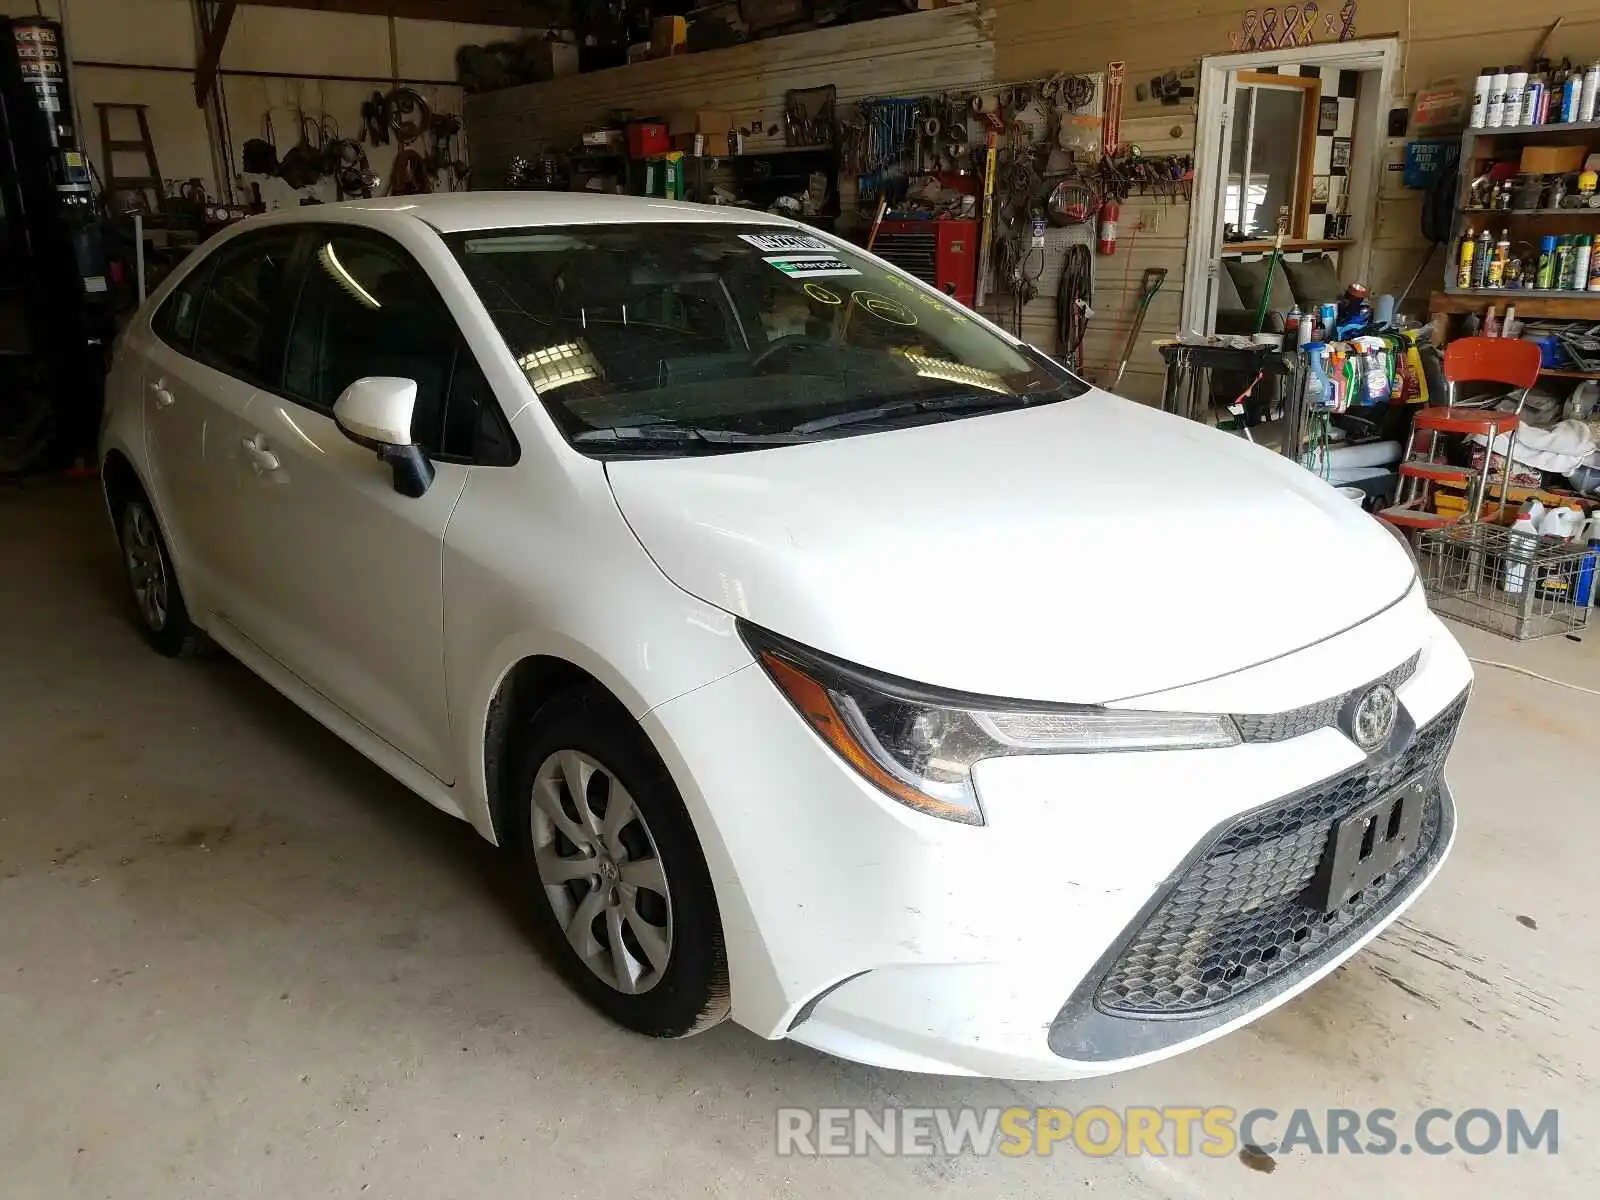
[
  {"x": 771, "y": 243},
  {"x": 811, "y": 266}
]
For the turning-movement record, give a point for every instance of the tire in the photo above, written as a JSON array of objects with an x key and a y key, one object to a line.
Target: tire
[
  {"x": 158, "y": 602},
  {"x": 589, "y": 879}
]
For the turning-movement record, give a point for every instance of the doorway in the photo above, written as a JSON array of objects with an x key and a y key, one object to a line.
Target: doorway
[{"x": 1289, "y": 154}]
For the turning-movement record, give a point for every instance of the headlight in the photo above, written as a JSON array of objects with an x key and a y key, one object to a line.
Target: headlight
[{"x": 919, "y": 745}]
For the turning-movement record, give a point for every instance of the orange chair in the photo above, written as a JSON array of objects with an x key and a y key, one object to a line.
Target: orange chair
[{"x": 1466, "y": 360}]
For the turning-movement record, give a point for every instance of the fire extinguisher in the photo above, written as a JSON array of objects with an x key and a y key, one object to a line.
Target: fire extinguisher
[{"x": 1109, "y": 212}]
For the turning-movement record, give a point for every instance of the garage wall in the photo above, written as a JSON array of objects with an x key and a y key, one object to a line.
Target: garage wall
[{"x": 160, "y": 33}]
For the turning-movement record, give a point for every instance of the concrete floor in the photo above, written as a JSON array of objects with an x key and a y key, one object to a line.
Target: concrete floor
[{"x": 236, "y": 959}]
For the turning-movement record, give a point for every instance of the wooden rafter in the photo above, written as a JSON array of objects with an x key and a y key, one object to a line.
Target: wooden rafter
[
  {"x": 205, "y": 72},
  {"x": 530, "y": 14}
]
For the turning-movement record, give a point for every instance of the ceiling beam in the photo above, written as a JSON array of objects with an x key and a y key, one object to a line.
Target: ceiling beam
[
  {"x": 205, "y": 72},
  {"x": 471, "y": 12}
]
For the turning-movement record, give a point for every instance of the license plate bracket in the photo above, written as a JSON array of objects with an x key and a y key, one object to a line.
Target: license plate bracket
[{"x": 1368, "y": 843}]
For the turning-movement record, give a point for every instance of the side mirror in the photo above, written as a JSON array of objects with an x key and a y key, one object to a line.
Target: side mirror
[{"x": 375, "y": 412}]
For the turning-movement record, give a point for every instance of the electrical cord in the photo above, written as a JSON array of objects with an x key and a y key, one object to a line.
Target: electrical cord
[
  {"x": 1073, "y": 294},
  {"x": 1505, "y": 666}
]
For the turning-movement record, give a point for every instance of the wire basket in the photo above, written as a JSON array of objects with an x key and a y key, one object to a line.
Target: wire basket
[{"x": 1518, "y": 586}]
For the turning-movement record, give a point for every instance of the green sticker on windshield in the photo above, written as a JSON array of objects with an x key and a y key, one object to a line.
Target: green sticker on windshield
[{"x": 810, "y": 266}]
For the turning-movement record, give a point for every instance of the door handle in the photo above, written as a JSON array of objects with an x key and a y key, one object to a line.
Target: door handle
[
  {"x": 162, "y": 397},
  {"x": 263, "y": 458}
]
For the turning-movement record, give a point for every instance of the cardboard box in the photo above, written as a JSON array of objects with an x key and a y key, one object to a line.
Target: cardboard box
[
  {"x": 700, "y": 120},
  {"x": 552, "y": 60},
  {"x": 1553, "y": 160},
  {"x": 710, "y": 145}
]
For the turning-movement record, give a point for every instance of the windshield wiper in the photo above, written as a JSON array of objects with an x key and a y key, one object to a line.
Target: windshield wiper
[
  {"x": 949, "y": 403},
  {"x": 661, "y": 432}
]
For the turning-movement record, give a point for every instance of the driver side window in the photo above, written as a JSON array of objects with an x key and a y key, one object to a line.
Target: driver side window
[{"x": 367, "y": 308}]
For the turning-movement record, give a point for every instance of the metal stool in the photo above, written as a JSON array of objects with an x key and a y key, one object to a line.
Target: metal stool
[{"x": 1466, "y": 360}]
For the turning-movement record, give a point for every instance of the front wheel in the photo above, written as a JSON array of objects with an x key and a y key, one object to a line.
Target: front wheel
[{"x": 614, "y": 872}]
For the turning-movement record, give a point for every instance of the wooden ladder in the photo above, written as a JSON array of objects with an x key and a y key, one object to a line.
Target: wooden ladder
[{"x": 110, "y": 147}]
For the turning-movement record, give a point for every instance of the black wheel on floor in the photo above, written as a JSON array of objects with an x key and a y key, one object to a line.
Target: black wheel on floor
[
  {"x": 157, "y": 598},
  {"x": 615, "y": 876}
]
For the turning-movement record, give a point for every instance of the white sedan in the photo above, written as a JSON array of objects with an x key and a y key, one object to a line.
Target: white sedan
[{"x": 824, "y": 656}]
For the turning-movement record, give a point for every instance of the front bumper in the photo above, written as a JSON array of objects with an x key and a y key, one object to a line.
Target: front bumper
[{"x": 865, "y": 929}]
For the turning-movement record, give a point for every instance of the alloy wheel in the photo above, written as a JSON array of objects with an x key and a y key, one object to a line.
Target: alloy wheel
[
  {"x": 146, "y": 564},
  {"x": 599, "y": 866}
]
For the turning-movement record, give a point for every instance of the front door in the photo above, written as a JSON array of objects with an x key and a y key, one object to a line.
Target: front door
[{"x": 347, "y": 572}]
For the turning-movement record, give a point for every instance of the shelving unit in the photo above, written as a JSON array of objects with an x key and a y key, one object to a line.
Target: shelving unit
[{"x": 1477, "y": 147}]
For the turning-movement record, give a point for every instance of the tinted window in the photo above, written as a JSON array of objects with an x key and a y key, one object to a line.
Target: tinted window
[
  {"x": 235, "y": 328},
  {"x": 177, "y": 317},
  {"x": 366, "y": 308}
]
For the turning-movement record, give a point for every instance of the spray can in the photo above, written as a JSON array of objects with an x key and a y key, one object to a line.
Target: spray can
[
  {"x": 1480, "y": 98},
  {"x": 1571, "y": 97},
  {"x": 1531, "y": 101},
  {"x": 1581, "y": 253},
  {"x": 1469, "y": 247},
  {"x": 1591, "y": 93},
  {"x": 1480, "y": 263},
  {"x": 1516, "y": 96},
  {"x": 1563, "y": 269},
  {"x": 1496, "y": 274},
  {"x": 1498, "y": 82},
  {"x": 1593, "y": 284},
  {"x": 1547, "y": 263}
]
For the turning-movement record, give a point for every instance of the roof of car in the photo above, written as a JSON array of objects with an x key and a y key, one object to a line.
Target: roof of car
[{"x": 459, "y": 212}]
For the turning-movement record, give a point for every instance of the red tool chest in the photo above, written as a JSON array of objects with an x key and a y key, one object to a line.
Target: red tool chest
[{"x": 943, "y": 252}]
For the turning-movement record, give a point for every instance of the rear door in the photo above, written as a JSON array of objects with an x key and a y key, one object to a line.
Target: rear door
[
  {"x": 348, "y": 572},
  {"x": 214, "y": 341}
]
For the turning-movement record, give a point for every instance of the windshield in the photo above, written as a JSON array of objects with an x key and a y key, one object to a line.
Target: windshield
[{"x": 694, "y": 338}]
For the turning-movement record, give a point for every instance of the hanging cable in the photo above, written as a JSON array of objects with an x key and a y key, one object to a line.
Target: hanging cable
[{"x": 1073, "y": 294}]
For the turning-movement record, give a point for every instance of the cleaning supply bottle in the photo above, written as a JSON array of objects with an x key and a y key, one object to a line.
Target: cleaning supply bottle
[
  {"x": 1524, "y": 541},
  {"x": 1317, "y": 389},
  {"x": 1464, "y": 260},
  {"x": 1580, "y": 263},
  {"x": 1496, "y": 275},
  {"x": 1571, "y": 96}
]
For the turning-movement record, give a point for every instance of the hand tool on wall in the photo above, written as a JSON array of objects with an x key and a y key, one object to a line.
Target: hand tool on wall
[{"x": 1149, "y": 284}]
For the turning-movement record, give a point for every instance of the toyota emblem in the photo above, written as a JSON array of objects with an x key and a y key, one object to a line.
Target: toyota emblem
[{"x": 1374, "y": 716}]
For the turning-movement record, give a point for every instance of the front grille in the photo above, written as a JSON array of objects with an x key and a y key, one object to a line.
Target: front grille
[
  {"x": 1280, "y": 727},
  {"x": 1236, "y": 917}
]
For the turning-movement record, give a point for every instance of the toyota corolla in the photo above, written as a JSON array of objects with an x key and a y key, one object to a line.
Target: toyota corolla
[{"x": 822, "y": 655}]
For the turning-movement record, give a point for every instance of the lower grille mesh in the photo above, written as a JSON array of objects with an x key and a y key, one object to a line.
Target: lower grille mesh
[{"x": 1236, "y": 916}]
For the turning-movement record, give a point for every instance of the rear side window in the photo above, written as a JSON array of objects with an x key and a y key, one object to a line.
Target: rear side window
[
  {"x": 175, "y": 320},
  {"x": 234, "y": 331}
]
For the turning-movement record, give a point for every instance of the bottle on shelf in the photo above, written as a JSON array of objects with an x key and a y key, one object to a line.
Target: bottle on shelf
[
  {"x": 1498, "y": 84},
  {"x": 1563, "y": 270},
  {"x": 1534, "y": 94},
  {"x": 1480, "y": 262},
  {"x": 1593, "y": 284},
  {"x": 1464, "y": 259},
  {"x": 1510, "y": 327},
  {"x": 1480, "y": 98},
  {"x": 1571, "y": 96},
  {"x": 1496, "y": 275},
  {"x": 1581, "y": 253},
  {"x": 1491, "y": 322},
  {"x": 1546, "y": 277},
  {"x": 1591, "y": 93},
  {"x": 1516, "y": 89}
]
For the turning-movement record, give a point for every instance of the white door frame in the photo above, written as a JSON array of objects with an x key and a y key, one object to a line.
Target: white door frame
[{"x": 1380, "y": 55}]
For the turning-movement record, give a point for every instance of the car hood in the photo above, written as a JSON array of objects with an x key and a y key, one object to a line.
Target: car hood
[{"x": 1085, "y": 551}]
